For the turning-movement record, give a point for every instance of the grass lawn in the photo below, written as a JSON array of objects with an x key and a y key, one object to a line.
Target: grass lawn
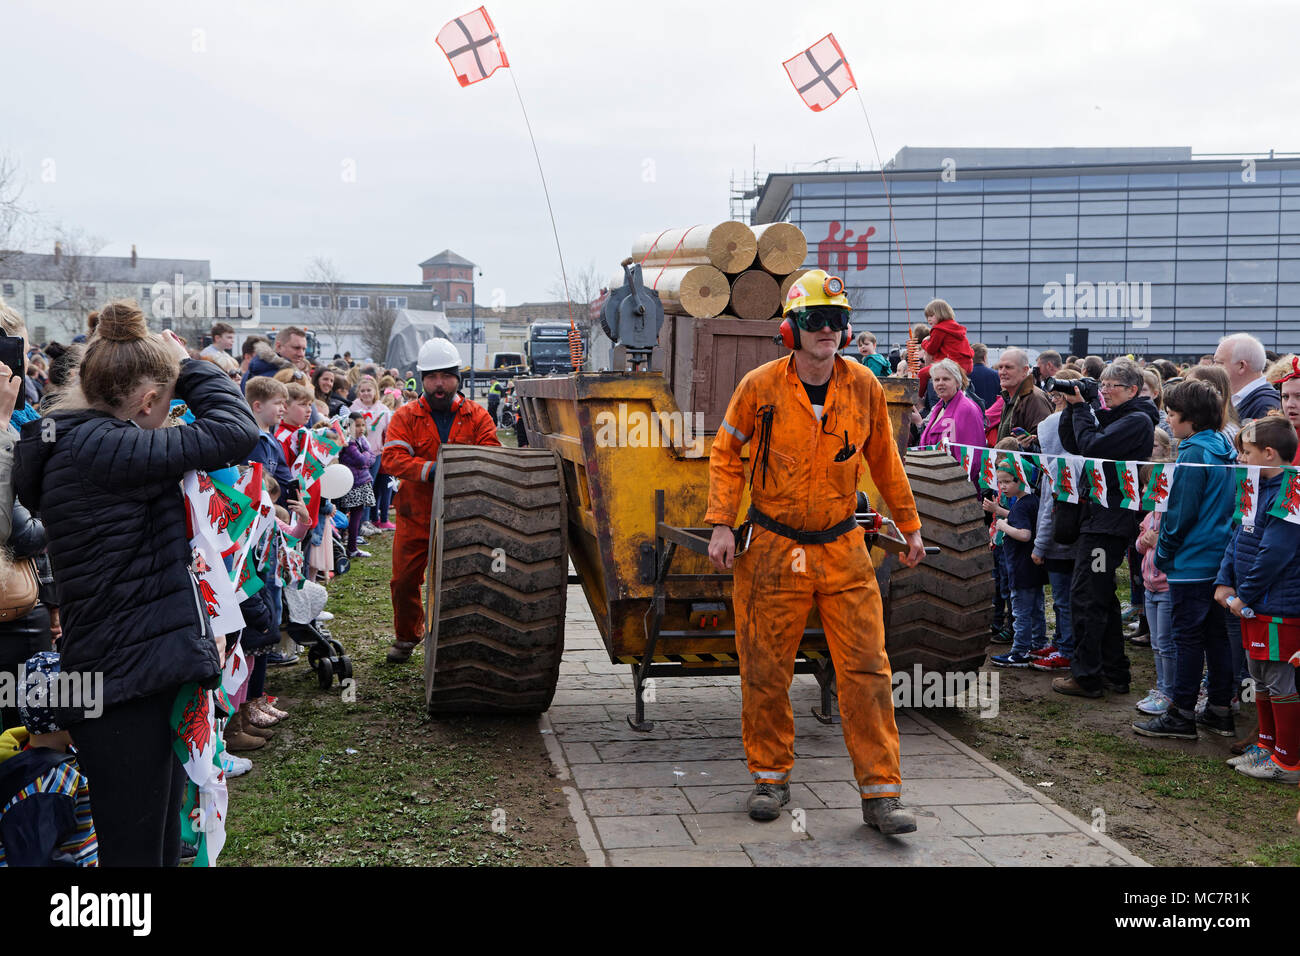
[{"x": 375, "y": 781}]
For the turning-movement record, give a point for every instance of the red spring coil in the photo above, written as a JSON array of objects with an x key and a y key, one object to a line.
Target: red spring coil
[{"x": 575, "y": 349}]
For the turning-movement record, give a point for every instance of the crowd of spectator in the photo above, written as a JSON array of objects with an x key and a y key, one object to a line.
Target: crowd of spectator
[
  {"x": 107, "y": 437},
  {"x": 1214, "y": 595}
]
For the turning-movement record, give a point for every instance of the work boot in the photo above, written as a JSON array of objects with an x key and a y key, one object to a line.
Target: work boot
[
  {"x": 1072, "y": 688},
  {"x": 888, "y": 816},
  {"x": 766, "y": 801},
  {"x": 400, "y": 652}
]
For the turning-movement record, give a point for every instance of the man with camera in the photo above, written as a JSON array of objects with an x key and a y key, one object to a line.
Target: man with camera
[{"x": 1124, "y": 431}]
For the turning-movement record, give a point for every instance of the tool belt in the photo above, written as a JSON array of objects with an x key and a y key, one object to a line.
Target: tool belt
[{"x": 803, "y": 537}]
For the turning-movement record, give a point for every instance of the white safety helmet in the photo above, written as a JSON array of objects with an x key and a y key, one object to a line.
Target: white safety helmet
[{"x": 436, "y": 355}]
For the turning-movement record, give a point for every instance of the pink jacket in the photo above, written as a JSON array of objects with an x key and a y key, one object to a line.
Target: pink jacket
[
  {"x": 377, "y": 424},
  {"x": 959, "y": 420},
  {"x": 1153, "y": 579}
]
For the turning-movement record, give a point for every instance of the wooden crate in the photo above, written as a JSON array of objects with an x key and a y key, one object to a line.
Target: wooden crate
[{"x": 705, "y": 359}]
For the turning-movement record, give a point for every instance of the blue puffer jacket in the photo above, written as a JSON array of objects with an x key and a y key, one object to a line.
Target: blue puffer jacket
[
  {"x": 1263, "y": 564},
  {"x": 1195, "y": 529}
]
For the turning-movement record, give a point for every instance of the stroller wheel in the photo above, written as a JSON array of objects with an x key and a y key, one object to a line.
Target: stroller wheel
[
  {"x": 324, "y": 673},
  {"x": 345, "y": 667},
  {"x": 336, "y": 647}
]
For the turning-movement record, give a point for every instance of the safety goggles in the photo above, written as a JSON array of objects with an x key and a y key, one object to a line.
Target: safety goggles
[{"x": 823, "y": 317}]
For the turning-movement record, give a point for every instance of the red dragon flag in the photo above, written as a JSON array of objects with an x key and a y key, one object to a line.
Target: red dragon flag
[
  {"x": 1068, "y": 469},
  {"x": 472, "y": 47},
  {"x": 1161, "y": 479},
  {"x": 1246, "y": 505},
  {"x": 1129, "y": 485},
  {"x": 1287, "y": 504},
  {"x": 820, "y": 74}
]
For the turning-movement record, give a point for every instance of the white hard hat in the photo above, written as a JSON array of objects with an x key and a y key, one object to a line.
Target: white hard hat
[{"x": 437, "y": 354}]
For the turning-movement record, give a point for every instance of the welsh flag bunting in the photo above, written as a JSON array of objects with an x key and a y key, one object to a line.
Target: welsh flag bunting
[
  {"x": 248, "y": 583},
  {"x": 1021, "y": 475},
  {"x": 1094, "y": 480},
  {"x": 1067, "y": 479},
  {"x": 1129, "y": 484},
  {"x": 216, "y": 590},
  {"x": 1156, "y": 496},
  {"x": 1287, "y": 504},
  {"x": 988, "y": 475},
  {"x": 227, "y": 511},
  {"x": 964, "y": 455},
  {"x": 196, "y": 735},
  {"x": 1246, "y": 503},
  {"x": 235, "y": 671}
]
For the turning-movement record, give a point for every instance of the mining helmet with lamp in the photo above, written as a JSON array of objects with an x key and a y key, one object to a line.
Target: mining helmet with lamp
[{"x": 815, "y": 301}]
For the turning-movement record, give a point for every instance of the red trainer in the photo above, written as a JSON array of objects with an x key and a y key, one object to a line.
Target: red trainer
[
  {"x": 1053, "y": 662},
  {"x": 1047, "y": 651}
]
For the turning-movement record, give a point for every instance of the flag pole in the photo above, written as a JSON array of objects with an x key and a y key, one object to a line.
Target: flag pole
[
  {"x": 898, "y": 251},
  {"x": 568, "y": 299}
]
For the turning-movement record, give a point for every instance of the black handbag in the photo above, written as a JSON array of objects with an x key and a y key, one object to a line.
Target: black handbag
[{"x": 1067, "y": 521}]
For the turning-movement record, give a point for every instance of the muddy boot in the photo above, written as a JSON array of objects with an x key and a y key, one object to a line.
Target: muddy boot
[
  {"x": 237, "y": 740},
  {"x": 400, "y": 652},
  {"x": 250, "y": 722},
  {"x": 888, "y": 816},
  {"x": 766, "y": 801}
]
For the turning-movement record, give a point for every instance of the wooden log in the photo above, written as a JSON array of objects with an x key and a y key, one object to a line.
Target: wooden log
[
  {"x": 754, "y": 295},
  {"x": 728, "y": 246},
  {"x": 782, "y": 247},
  {"x": 789, "y": 281},
  {"x": 698, "y": 291}
]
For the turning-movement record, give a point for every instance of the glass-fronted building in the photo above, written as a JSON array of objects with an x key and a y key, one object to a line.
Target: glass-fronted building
[{"x": 1152, "y": 251}]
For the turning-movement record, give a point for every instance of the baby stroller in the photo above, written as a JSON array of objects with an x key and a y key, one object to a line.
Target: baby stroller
[{"x": 325, "y": 655}]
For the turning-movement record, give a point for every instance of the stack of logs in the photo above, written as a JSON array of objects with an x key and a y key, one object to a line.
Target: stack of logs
[{"x": 728, "y": 269}]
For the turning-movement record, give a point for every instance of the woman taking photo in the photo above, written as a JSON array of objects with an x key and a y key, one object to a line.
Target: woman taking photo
[{"x": 108, "y": 488}]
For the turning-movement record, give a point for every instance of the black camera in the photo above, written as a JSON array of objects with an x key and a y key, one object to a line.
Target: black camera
[{"x": 1087, "y": 388}]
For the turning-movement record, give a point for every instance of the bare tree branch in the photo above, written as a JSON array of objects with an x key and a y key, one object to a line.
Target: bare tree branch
[
  {"x": 14, "y": 215},
  {"x": 79, "y": 277},
  {"x": 329, "y": 316},
  {"x": 585, "y": 286},
  {"x": 377, "y": 328}
]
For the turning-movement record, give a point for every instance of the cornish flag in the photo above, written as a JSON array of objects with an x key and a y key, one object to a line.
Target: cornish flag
[
  {"x": 1287, "y": 504},
  {"x": 472, "y": 47},
  {"x": 820, "y": 74}
]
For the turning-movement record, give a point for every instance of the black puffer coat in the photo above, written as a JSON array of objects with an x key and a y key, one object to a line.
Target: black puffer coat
[{"x": 109, "y": 494}]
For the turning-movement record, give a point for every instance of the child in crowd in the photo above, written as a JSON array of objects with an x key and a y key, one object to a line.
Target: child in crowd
[
  {"x": 1003, "y": 626},
  {"x": 1259, "y": 582},
  {"x": 1024, "y": 577},
  {"x": 297, "y": 414},
  {"x": 377, "y": 416},
  {"x": 1193, "y": 536},
  {"x": 1157, "y": 598},
  {"x": 356, "y": 454}
]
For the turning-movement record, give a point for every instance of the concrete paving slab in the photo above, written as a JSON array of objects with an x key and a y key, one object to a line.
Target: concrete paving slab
[
  {"x": 732, "y": 829},
  {"x": 1007, "y": 818},
  {"x": 681, "y": 856},
  {"x": 675, "y": 796},
  {"x": 731, "y": 799},
  {"x": 658, "y": 830},
  {"x": 1037, "y": 849},
  {"x": 867, "y": 848},
  {"x": 637, "y": 801}
]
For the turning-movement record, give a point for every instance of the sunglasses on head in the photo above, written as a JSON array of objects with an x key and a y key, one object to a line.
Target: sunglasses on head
[{"x": 823, "y": 317}]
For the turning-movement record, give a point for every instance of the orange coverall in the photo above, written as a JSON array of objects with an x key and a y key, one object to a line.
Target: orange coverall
[
  {"x": 777, "y": 581},
  {"x": 410, "y": 449}
]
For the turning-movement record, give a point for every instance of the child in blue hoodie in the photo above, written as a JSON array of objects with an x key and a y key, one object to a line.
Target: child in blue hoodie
[
  {"x": 1259, "y": 582},
  {"x": 1193, "y": 536}
]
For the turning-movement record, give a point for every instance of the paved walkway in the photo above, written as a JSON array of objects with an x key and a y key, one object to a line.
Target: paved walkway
[{"x": 676, "y": 796}]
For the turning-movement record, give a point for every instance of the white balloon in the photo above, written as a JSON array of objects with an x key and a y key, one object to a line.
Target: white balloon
[{"x": 336, "y": 481}]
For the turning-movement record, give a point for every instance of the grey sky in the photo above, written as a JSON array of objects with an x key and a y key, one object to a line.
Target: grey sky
[{"x": 235, "y": 152}]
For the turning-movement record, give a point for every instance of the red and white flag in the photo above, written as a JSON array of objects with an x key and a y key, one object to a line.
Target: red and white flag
[
  {"x": 820, "y": 73},
  {"x": 472, "y": 46}
]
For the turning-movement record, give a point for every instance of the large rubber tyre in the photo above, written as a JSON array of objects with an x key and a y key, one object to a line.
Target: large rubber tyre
[
  {"x": 937, "y": 614},
  {"x": 498, "y": 579}
]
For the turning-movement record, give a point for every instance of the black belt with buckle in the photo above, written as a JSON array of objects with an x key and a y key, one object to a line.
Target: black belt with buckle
[{"x": 803, "y": 537}]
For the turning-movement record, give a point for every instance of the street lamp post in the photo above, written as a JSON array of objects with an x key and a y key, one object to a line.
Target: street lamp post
[{"x": 473, "y": 331}]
